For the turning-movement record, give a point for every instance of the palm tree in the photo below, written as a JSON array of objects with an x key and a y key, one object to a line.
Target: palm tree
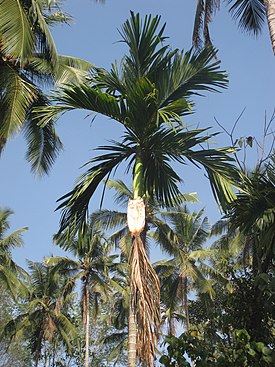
[
  {"x": 253, "y": 215},
  {"x": 41, "y": 318},
  {"x": 182, "y": 237},
  {"x": 28, "y": 62},
  {"x": 89, "y": 265},
  {"x": 251, "y": 14},
  {"x": 148, "y": 94},
  {"x": 10, "y": 272}
]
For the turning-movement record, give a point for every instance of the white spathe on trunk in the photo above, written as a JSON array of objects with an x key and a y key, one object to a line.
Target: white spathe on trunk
[{"x": 136, "y": 216}]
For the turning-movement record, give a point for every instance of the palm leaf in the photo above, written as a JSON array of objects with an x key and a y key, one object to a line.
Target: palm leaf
[
  {"x": 45, "y": 40},
  {"x": 71, "y": 70},
  {"x": 250, "y": 14},
  {"x": 188, "y": 73},
  {"x": 43, "y": 142},
  {"x": 82, "y": 97},
  {"x": 18, "y": 97},
  {"x": 75, "y": 203},
  {"x": 143, "y": 41},
  {"x": 17, "y": 37}
]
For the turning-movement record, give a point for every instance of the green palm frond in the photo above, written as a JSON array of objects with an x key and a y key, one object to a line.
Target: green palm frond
[
  {"x": 17, "y": 37},
  {"x": 221, "y": 173},
  {"x": 44, "y": 37},
  {"x": 122, "y": 194},
  {"x": 75, "y": 203},
  {"x": 81, "y": 97},
  {"x": 190, "y": 73},
  {"x": 71, "y": 70},
  {"x": 143, "y": 41},
  {"x": 43, "y": 142},
  {"x": 250, "y": 14},
  {"x": 18, "y": 96},
  {"x": 108, "y": 219},
  {"x": 57, "y": 17},
  {"x": 12, "y": 240}
]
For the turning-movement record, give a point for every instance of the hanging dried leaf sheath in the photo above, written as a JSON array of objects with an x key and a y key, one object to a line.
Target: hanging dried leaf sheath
[{"x": 145, "y": 287}]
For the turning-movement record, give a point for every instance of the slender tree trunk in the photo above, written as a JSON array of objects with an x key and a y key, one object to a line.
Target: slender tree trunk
[
  {"x": 185, "y": 302},
  {"x": 36, "y": 360},
  {"x": 87, "y": 326},
  {"x": 171, "y": 326},
  {"x": 132, "y": 335},
  {"x": 144, "y": 283},
  {"x": 270, "y": 15}
]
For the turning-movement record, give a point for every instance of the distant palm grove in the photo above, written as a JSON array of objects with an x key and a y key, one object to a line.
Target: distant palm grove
[{"x": 210, "y": 302}]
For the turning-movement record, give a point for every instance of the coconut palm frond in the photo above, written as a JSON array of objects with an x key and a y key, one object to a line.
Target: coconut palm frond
[
  {"x": 18, "y": 96},
  {"x": 250, "y": 14},
  {"x": 72, "y": 70},
  {"x": 17, "y": 37},
  {"x": 43, "y": 143}
]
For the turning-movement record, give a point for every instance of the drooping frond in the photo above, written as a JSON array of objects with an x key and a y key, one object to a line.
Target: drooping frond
[
  {"x": 17, "y": 37},
  {"x": 250, "y": 14},
  {"x": 145, "y": 291},
  {"x": 17, "y": 96},
  {"x": 75, "y": 203},
  {"x": 71, "y": 70},
  {"x": 81, "y": 97},
  {"x": 43, "y": 142},
  {"x": 188, "y": 74}
]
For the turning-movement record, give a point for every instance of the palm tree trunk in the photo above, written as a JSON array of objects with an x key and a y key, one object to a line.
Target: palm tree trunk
[
  {"x": 270, "y": 15},
  {"x": 132, "y": 335},
  {"x": 171, "y": 326},
  {"x": 144, "y": 283},
  {"x": 87, "y": 326},
  {"x": 185, "y": 302}
]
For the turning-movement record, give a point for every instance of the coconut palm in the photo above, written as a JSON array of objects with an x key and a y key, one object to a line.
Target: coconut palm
[
  {"x": 29, "y": 62},
  {"x": 10, "y": 272},
  {"x": 253, "y": 213},
  {"x": 182, "y": 237},
  {"x": 147, "y": 93},
  {"x": 89, "y": 265},
  {"x": 41, "y": 317},
  {"x": 251, "y": 16}
]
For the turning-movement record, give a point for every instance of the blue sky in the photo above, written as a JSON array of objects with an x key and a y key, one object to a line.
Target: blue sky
[{"x": 93, "y": 36}]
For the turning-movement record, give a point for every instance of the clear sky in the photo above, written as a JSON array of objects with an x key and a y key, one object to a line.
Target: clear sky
[{"x": 93, "y": 36}]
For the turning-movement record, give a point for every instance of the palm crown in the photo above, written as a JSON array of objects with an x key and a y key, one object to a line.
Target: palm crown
[{"x": 147, "y": 93}]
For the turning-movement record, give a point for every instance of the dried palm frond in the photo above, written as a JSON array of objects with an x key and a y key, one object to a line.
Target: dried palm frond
[{"x": 145, "y": 298}]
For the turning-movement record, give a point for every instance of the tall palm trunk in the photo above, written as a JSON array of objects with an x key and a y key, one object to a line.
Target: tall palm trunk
[
  {"x": 171, "y": 326},
  {"x": 144, "y": 283},
  {"x": 86, "y": 310},
  {"x": 270, "y": 15},
  {"x": 132, "y": 335},
  {"x": 185, "y": 301}
]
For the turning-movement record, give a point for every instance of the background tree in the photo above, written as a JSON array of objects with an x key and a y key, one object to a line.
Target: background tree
[
  {"x": 253, "y": 214},
  {"x": 43, "y": 315},
  {"x": 90, "y": 266},
  {"x": 10, "y": 272},
  {"x": 29, "y": 62},
  {"x": 182, "y": 236}
]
